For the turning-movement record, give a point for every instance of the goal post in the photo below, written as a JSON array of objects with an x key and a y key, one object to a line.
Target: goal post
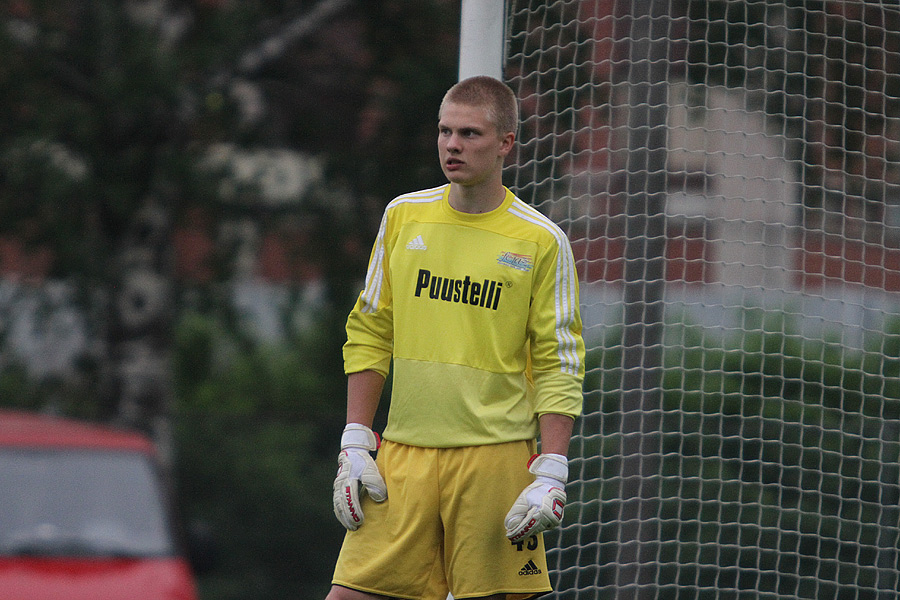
[
  {"x": 482, "y": 38},
  {"x": 729, "y": 175}
]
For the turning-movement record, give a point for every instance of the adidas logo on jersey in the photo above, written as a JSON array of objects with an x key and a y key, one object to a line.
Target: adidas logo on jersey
[
  {"x": 530, "y": 569},
  {"x": 417, "y": 243}
]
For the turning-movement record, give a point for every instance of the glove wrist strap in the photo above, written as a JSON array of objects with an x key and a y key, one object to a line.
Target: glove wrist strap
[
  {"x": 554, "y": 466},
  {"x": 357, "y": 435}
]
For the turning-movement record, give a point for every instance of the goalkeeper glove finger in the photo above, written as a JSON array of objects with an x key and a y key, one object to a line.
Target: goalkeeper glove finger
[
  {"x": 540, "y": 506},
  {"x": 357, "y": 473}
]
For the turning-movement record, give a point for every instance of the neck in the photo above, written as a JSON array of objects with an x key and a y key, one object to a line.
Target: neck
[{"x": 476, "y": 199}]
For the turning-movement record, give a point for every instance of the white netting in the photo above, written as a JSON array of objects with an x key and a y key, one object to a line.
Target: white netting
[{"x": 729, "y": 175}]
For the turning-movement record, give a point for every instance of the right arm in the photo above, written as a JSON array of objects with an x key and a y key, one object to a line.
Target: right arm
[
  {"x": 367, "y": 357},
  {"x": 370, "y": 333},
  {"x": 357, "y": 470}
]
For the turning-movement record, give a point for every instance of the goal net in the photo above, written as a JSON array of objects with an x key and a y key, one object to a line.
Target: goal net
[{"x": 729, "y": 175}]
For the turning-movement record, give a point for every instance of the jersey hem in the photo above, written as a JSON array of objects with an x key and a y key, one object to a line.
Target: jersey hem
[{"x": 460, "y": 445}]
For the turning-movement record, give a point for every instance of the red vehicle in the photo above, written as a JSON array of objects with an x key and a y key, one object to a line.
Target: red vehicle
[{"x": 85, "y": 515}]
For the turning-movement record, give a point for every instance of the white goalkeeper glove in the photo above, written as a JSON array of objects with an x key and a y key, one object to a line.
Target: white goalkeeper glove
[
  {"x": 540, "y": 506},
  {"x": 356, "y": 469}
]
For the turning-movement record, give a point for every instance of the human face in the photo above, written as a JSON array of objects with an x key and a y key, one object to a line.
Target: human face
[{"x": 470, "y": 148}]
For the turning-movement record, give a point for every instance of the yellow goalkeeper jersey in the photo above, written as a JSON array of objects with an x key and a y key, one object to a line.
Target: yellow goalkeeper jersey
[{"x": 480, "y": 315}]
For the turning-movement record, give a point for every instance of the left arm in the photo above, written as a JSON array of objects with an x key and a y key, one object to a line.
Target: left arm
[
  {"x": 556, "y": 344},
  {"x": 557, "y": 353},
  {"x": 540, "y": 506},
  {"x": 556, "y": 431}
]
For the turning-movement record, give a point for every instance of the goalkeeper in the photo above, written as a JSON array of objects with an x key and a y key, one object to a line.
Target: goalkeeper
[{"x": 473, "y": 295}]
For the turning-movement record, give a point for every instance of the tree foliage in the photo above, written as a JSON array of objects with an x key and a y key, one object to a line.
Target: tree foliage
[
  {"x": 778, "y": 464},
  {"x": 257, "y": 436},
  {"x": 108, "y": 107}
]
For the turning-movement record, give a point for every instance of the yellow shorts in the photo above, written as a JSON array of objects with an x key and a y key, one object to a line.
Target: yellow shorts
[{"x": 441, "y": 528}]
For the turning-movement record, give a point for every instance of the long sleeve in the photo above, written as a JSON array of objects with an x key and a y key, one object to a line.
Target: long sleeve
[
  {"x": 370, "y": 324},
  {"x": 556, "y": 343}
]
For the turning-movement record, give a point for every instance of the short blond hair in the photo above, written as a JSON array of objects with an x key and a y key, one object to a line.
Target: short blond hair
[{"x": 492, "y": 94}]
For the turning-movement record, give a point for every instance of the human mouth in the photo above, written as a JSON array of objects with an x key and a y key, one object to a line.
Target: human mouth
[{"x": 453, "y": 164}]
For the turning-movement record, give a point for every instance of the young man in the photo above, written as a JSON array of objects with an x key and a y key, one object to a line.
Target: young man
[{"x": 474, "y": 297}]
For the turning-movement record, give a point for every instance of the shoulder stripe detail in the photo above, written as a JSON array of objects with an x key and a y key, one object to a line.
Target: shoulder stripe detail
[
  {"x": 371, "y": 295},
  {"x": 566, "y": 286},
  {"x": 425, "y": 196}
]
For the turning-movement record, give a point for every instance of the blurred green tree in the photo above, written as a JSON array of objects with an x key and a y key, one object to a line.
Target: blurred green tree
[
  {"x": 779, "y": 450},
  {"x": 111, "y": 114}
]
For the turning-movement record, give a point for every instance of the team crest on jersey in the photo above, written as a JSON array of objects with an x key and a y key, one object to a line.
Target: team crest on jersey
[{"x": 522, "y": 262}]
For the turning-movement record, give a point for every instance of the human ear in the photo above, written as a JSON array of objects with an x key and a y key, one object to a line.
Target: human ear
[{"x": 507, "y": 141}]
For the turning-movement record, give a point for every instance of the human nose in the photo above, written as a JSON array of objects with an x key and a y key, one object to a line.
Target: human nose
[{"x": 453, "y": 142}]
